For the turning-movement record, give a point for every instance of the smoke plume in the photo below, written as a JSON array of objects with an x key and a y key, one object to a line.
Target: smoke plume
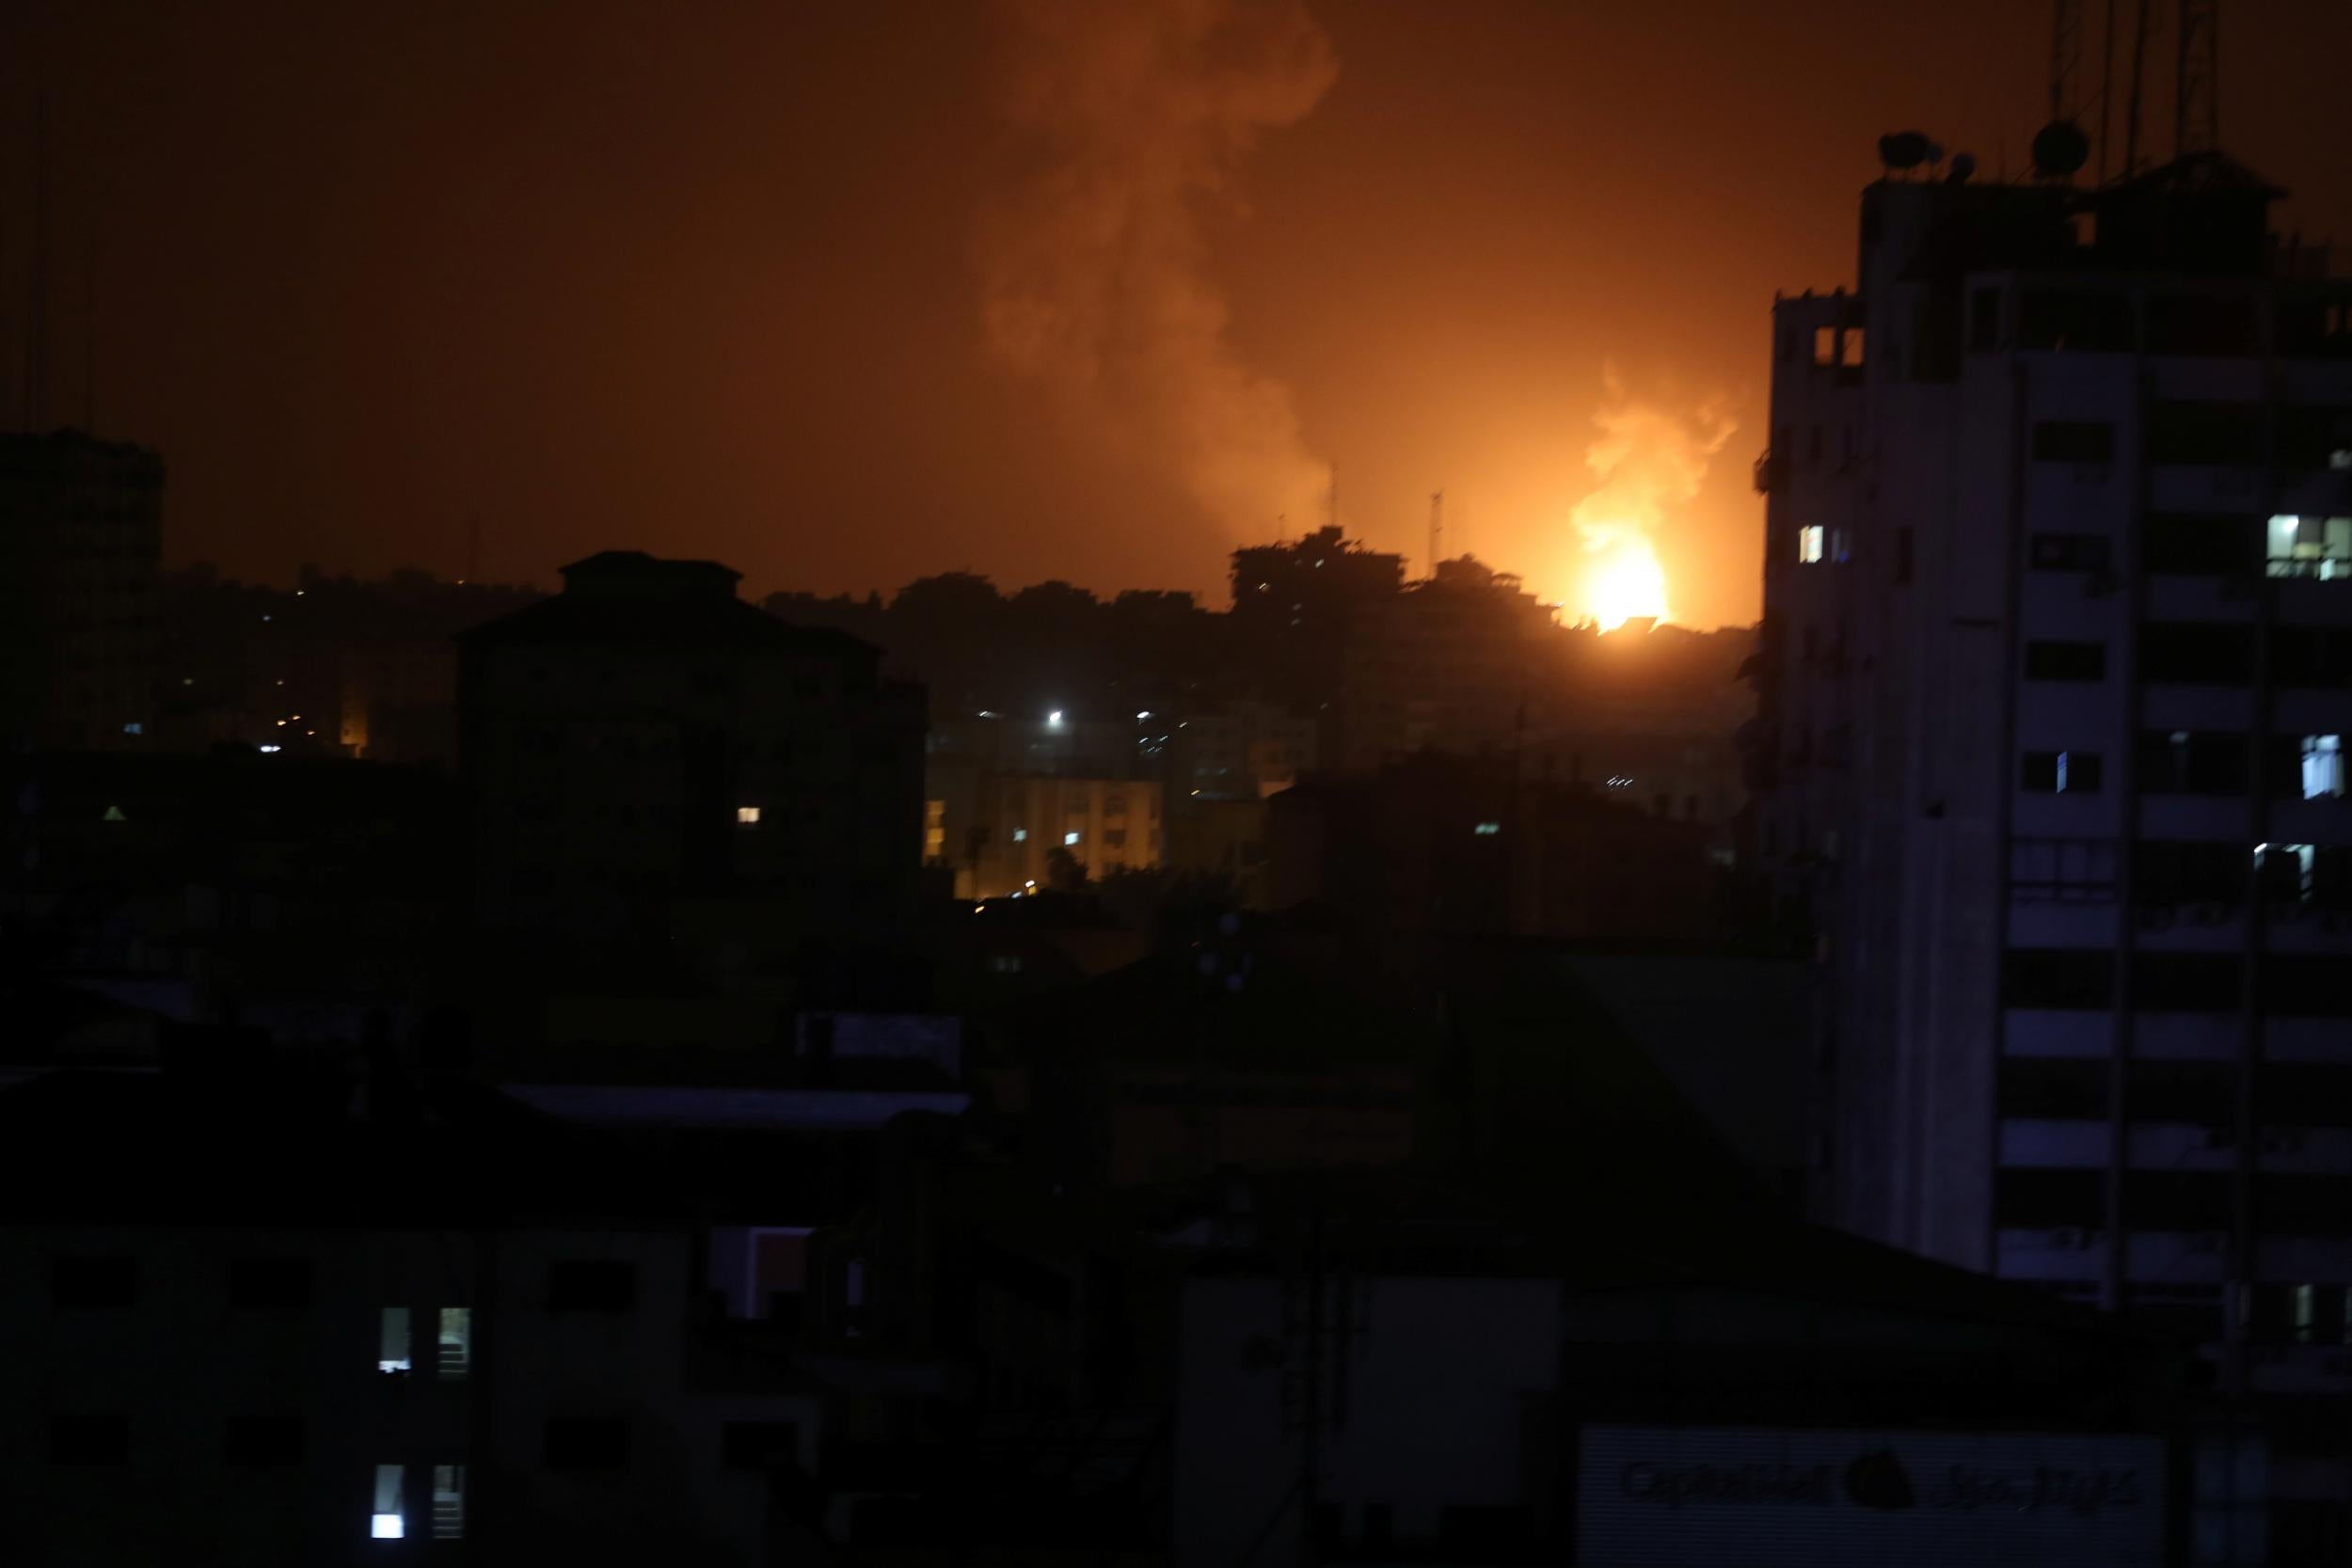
[
  {"x": 1647, "y": 463},
  {"x": 1094, "y": 270}
]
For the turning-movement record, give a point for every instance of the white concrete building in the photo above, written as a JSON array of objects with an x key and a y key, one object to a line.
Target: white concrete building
[{"x": 2056, "y": 679}]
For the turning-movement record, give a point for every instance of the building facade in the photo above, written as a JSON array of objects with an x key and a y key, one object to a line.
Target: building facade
[
  {"x": 2056, "y": 669},
  {"x": 81, "y": 541},
  {"x": 645, "y": 736}
]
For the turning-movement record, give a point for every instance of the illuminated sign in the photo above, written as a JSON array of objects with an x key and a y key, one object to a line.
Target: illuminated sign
[{"x": 1763, "y": 1498}]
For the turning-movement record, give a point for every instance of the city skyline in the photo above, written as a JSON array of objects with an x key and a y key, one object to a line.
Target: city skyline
[{"x": 323, "y": 248}]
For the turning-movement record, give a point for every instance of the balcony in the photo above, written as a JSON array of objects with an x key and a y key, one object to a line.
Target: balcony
[{"x": 1772, "y": 475}]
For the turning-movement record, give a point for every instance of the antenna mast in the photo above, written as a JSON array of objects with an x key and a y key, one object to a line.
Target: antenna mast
[
  {"x": 2197, "y": 84},
  {"x": 1436, "y": 528},
  {"x": 36, "y": 322},
  {"x": 2066, "y": 58}
]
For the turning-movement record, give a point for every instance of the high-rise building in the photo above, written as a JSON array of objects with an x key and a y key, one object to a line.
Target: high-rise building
[
  {"x": 2055, "y": 678},
  {"x": 81, "y": 539},
  {"x": 645, "y": 736}
]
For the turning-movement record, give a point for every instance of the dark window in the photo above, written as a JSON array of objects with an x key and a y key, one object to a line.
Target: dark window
[
  {"x": 2074, "y": 441},
  {"x": 2203, "y": 325},
  {"x": 2094, "y": 320},
  {"x": 2059, "y": 977},
  {"x": 757, "y": 1445},
  {"x": 2194, "y": 762},
  {"x": 2049, "y": 661},
  {"x": 2303, "y": 1205},
  {"x": 2041, "y": 1199},
  {"x": 2062, "y": 772},
  {"x": 94, "y": 1282},
  {"x": 89, "y": 1440},
  {"x": 592, "y": 1285},
  {"x": 2305, "y": 985},
  {"x": 2176, "y": 1200},
  {"x": 2053, "y": 1088},
  {"x": 2178, "y": 871},
  {"x": 2185, "y": 982},
  {"x": 1483, "y": 1526},
  {"x": 2197, "y": 653},
  {"x": 2070, "y": 553},
  {"x": 2311, "y": 437},
  {"x": 263, "y": 1440},
  {"x": 2206, "y": 434},
  {"x": 586, "y": 1442},
  {"x": 2298, "y": 1094},
  {"x": 269, "y": 1283},
  {"x": 2062, "y": 870},
  {"x": 2204, "y": 1094},
  {"x": 2312, "y": 656},
  {"x": 1903, "y": 555},
  {"x": 2190, "y": 544}
]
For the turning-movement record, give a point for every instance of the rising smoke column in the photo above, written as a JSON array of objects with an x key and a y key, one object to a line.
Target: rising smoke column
[
  {"x": 1093, "y": 270},
  {"x": 1647, "y": 463}
]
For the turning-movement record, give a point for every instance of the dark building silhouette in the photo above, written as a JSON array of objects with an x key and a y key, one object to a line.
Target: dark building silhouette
[
  {"x": 81, "y": 537},
  {"x": 644, "y": 738}
]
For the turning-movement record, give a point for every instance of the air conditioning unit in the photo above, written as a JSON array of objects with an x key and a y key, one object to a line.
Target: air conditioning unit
[
  {"x": 2156, "y": 917},
  {"x": 2220, "y": 1137},
  {"x": 2281, "y": 1140},
  {"x": 2209, "y": 1242},
  {"x": 2212, "y": 914},
  {"x": 2071, "y": 1239}
]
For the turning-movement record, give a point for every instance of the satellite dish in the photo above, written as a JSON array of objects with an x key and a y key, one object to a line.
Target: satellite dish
[
  {"x": 2059, "y": 149},
  {"x": 1963, "y": 165},
  {"x": 1905, "y": 149}
]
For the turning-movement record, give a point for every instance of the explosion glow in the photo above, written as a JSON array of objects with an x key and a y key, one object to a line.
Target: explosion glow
[
  {"x": 1646, "y": 462},
  {"x": 1624, "y": 581}
]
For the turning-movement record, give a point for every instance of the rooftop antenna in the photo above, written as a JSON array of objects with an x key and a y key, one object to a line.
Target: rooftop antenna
[
  {"x": 473, "y": 549},
  {"x": 2140, "y": 77},
  {"x": 89, "y": 333},
  {"x": 1436, "y": 528},
  {"x": 37, "y": 323},
  {"x": 2197, "y": 80}
]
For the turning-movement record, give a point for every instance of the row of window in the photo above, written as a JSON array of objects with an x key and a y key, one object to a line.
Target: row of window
[
  {"x": 2173, "y": 872},
  {"x": 2279, "y": 545},
  {"x": 2084, "y": 979},
  {"x": 573, "y": 1284},
  {"x": 2210, "y": 435},
  {"x": 2191, "y": 762},
  {"x": 2199, "y": 1201},
  {"x": 2199, "y": 1094},
  {"x": 2203, "y": 652}
]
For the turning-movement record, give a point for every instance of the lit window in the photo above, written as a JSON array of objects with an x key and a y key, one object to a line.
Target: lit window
[
  {"x": 2323, "y": 767},
  {"x": 1487, "y": 830},
  {"x": 1069, "y": 838},
  {"x": 747, "y": 816},
  {"x": 2311, "y": 547},
  {"x": 1055, "y": 717},
  {"x": 134, "y": 728},
  {"x": 448, "y": 1502},
  {"x": 267, "y": 750},
  {"x": 1809, "y": 540},
  {"x": 2306, "y": 1313},
  {"x": 391, "y": 1354},
  {"x": 389, "y": 1522},
  {"x": 456, "y": 1340},
  {"x": 1021, "y": 835}
]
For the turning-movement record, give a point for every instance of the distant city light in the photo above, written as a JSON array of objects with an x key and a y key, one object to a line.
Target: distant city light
[
  {"x": 1487, "y": 830},
  {"x": 747, "y": 815},
  {"x": 1021, "y": 835},
  {"x": 272, "y": 748},
  {"x": 134, "y": 727},
  {"x": 1069, "y": 838},
  {"x": 389, "y": 1527},
  {"x": 1621, "y": 780},
  {"x": 1055, "y": 717},
  {"x": 1141, "y": 717}
]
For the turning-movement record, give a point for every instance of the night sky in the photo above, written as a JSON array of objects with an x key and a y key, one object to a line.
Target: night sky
[{"x": 845, "y": 293}]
